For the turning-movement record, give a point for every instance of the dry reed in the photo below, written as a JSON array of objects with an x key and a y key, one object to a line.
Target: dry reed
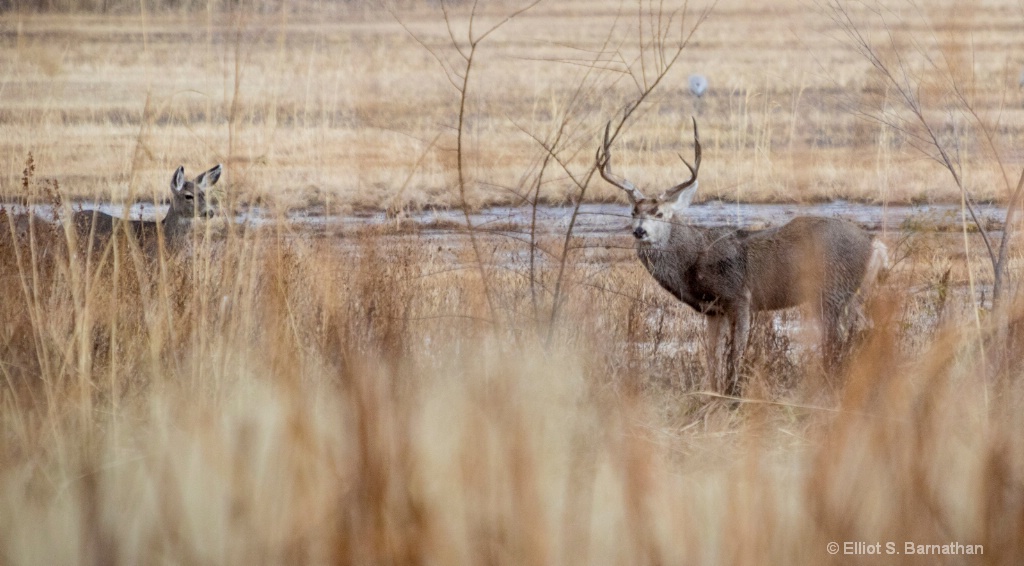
[
  {"x": 273, "y": 398},
  {"x": 385, "y": 395}
]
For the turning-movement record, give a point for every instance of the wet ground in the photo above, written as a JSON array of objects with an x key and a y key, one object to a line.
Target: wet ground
[
  {"x": 602, "y": 231},
  {"x": 604, "y": 219},
  {"x": 597, "y": 219}
]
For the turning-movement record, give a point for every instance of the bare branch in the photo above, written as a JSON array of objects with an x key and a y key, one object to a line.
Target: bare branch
[
  {"x": 443, "y": 63},
  {"x": 451, "y": 32},
  {"x": 507, "y": 19},
  {"x": 921, "y": 131},
  {"x": 630, "y": 107}
]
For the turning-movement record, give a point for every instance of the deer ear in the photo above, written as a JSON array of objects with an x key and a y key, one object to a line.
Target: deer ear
[
  {"x": 178, "y": 180},
  {"x": 684, "y": 198},
  {"x": 209, "y": 178}
]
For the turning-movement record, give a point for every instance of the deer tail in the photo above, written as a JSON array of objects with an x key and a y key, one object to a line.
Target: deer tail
[{"x": 878, "y": 266}]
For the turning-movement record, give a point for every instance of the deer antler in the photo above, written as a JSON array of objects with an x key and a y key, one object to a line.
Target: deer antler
[
  {"x": 674, "y": 191},
  {"x": 605, "y": 167}
]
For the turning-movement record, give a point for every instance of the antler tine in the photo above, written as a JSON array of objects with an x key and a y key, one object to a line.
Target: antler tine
[
  {"x": 693, "y": 172},
  {"x": 605, "y": 167},
  {"x": 693, "y": 168}
]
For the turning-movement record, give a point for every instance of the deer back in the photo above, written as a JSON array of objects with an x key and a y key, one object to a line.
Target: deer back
[
  {"x": 809, "y": 258},
  {"x": 93, "y": 229}
]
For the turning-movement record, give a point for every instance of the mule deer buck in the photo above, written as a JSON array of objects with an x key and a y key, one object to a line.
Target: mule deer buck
[
  {"x": 188, "y": 202},
  {"x": 729, "y": 273}
]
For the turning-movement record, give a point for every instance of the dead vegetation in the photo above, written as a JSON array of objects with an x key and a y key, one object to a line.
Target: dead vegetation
[
  {"x": 325, "y": 400},
  {"x": 369, "y": 395},
  {"x": 315, "y": 107}
]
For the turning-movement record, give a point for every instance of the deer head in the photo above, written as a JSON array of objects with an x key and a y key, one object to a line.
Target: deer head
[
  {"x": 653, "y": 217},
  {"x": 189, "y": 200}
]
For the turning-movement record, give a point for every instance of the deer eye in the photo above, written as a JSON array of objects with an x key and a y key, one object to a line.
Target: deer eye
[{"x": 188, "y": 196}]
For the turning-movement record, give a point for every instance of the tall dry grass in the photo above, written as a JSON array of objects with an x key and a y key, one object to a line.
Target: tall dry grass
[
  {"x": 275, "y": 397},
  {"x": 385, "y": 395}
]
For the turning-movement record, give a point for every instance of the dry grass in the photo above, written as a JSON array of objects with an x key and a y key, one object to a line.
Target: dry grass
[
  {"x": 341, "y": 106},
  {"x": 386, "y": 395},
  {"x": 352, "y": 399}
]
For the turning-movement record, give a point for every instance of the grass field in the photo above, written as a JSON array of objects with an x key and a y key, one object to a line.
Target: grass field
[
  {"x": 399, "y": 394},
  {"x": 343, "y": 106}
]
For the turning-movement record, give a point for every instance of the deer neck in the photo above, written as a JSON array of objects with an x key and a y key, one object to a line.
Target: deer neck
[
  {"x": 681, "y": 249},
  {"x": 669, "y": 262},
  {"x": 175, "y": 225},
  {"x": 675, "y": 265}
]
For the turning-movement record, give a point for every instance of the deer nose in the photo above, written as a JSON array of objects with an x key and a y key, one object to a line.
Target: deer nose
[{"x": 639, "y": 232}]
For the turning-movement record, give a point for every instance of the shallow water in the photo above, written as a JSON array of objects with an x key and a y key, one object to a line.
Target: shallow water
[
  {"x": 604, "y": 219},
  {"x": 592, "y": 219},
  {"x": 602, "y": 230}
]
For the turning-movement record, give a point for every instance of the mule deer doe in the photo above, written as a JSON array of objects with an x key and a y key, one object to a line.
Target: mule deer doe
[
  {"x": 188, "y": 202},
  {"x": 729, "y": 273}
]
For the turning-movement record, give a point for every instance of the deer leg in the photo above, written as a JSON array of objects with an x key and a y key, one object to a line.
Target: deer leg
[
  {"x": 715, "y": 339},
  {"x": 831, "y": 337},
  {"x": 740, "y": 320}
]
